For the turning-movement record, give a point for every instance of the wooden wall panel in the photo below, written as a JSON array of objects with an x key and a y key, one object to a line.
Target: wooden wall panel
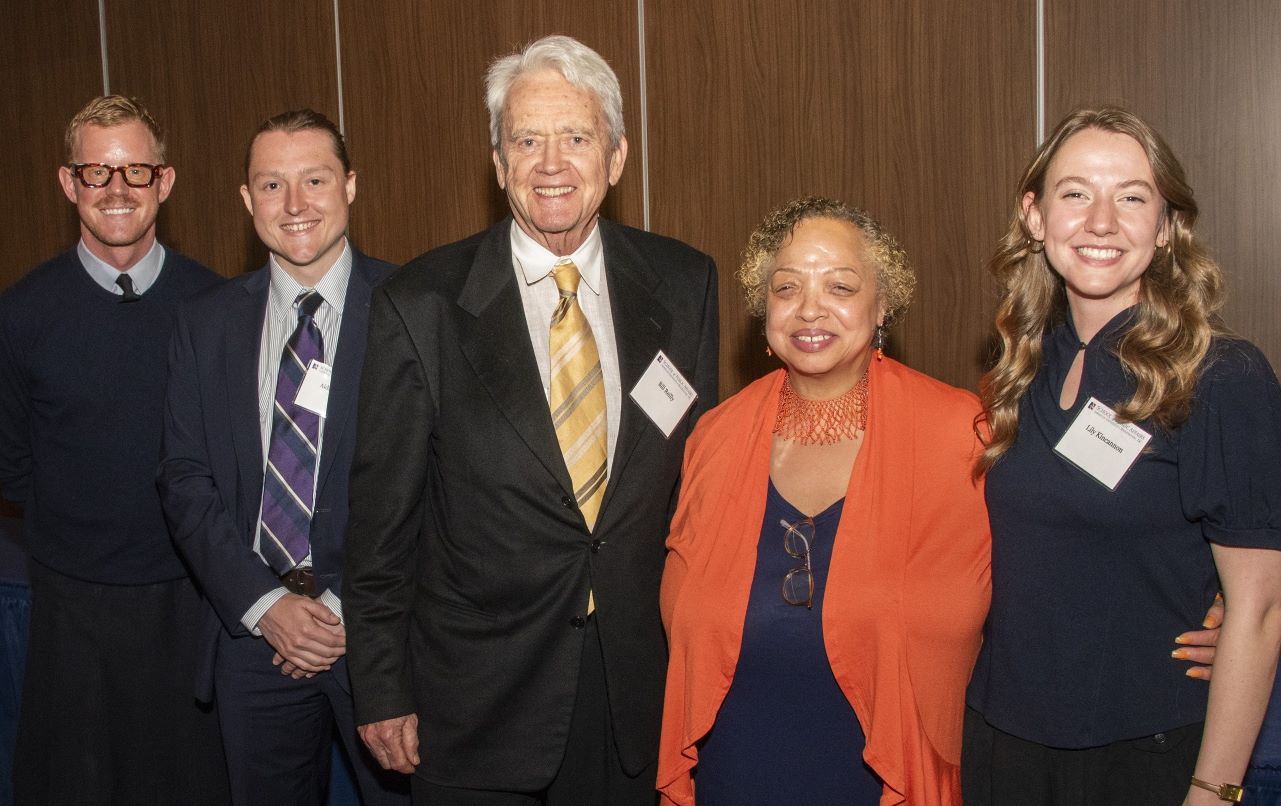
[
  {"x": 917, "y": 111},
  {"x": 42, "y": 86},
  {"x": 416, "y": 120},
  {"x": 1206, "y": 74},
  {"x": 211, "y": 73},
  {"x": 921, "y": 112}
]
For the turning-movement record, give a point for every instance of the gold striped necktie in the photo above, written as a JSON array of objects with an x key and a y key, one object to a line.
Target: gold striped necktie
[{"x": 578, "y": 396}]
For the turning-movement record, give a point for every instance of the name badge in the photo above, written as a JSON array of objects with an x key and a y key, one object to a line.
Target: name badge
[
  {"x": 313, "y": 395},
  {"x": 663, "y": 394},
  {"x": 1101, "y": 446}
]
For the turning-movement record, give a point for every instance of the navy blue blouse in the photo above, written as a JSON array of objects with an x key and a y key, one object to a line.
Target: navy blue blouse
[
  {"x": 1090, "y": 586},
  {"x": 785, "y": 734}
]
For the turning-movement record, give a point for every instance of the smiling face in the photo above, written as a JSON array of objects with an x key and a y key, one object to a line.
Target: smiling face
[
  {"x": 117, "y": 222},
  {"x": 822, "y": 306},
  {"x": 299, "y": 195},
  {"x": 1101, "y": 219},
  {"x": 555, "y": 161}
]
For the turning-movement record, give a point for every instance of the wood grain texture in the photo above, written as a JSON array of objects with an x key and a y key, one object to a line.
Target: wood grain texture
[
  {"x": 919, "y": 112},
  {"x": 1206, "y": 75},
  {"x": 211, "y": 73},
  {"x": 416, "y": 121},
  {"x": 50, "y": 67}
]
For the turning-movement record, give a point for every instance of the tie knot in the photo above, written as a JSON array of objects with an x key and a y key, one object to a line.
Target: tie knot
[
  {"x": 126, "y": 288},
  {"x": 308, "y": 303},
  {"x": 567, "y": 277}
]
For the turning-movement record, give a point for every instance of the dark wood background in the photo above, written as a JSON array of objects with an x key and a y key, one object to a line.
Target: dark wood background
[{"x": 922, "y": 112}]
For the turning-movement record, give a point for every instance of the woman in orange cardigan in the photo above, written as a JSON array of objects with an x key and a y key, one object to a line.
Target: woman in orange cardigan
[{"x": 828, "y": 573}]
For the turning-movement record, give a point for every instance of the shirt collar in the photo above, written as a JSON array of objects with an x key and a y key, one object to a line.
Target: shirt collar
[
  {"x": 143, "y": 273},
  {"x": 534, "y": 261},
  {"x": 332, "y": 287},
  {"x": 1108, "y": 335}
]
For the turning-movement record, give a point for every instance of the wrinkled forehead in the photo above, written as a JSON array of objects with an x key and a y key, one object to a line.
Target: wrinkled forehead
[{"x": 549, "y": 100}]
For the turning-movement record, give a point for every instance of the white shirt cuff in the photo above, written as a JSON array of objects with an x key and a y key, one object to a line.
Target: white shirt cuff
[
  {"x": 330, "y": 600},
  {"x": 254, "y": 614}
]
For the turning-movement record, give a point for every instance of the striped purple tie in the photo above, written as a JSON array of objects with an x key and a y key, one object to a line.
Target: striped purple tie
[{"x": 289, "y": 484}]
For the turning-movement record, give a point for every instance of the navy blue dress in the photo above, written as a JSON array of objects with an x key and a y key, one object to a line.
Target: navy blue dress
[
  {"x": 785, "y": 734},
  {"x": 1090, "y": 585}
]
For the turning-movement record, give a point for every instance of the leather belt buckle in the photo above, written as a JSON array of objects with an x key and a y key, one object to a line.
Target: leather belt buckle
[{"x": 301, "y": 581}]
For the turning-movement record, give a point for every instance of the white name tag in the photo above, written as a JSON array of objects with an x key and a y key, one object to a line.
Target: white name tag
[
  {"x": 313, "y": 395},
  {"x": 664, "y": 394},
  {"x": 1101, "y": 446}
]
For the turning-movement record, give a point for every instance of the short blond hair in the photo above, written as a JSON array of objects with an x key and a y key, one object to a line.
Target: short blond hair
[{"x": 113, "y": 110}]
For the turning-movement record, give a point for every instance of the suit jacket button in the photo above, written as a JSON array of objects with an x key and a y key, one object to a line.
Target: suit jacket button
[
  {"x": 567, "y": 502},
  {"x": 596, "y": 544},
  {"x": 577, "y": 622}
]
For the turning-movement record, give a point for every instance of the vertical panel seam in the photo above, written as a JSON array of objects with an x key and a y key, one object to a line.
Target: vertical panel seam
[
  {"x": 102, "y": 46},
  {"x": 1040, "y": 73},
  {"x": 342, "y": 122},
  {"x": 644, "y": 113}
]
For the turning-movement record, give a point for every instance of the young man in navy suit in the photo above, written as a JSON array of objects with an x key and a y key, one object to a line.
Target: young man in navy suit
[{"x": 259, "y": 429}]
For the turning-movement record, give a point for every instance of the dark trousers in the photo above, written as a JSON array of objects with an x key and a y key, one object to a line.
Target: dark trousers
[
  {"x": 998, "y": 769},
  {"x": 590, "y": 774},
  {"x": 279, "y": 732},
  {"x": 108, "y": 711}
]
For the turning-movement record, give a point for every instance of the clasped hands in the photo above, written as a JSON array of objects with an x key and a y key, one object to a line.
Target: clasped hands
[{"x": 308, "y": 637}]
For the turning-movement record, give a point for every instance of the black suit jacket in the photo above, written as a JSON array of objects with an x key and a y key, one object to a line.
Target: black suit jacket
[
  {"x": 468, "y": 563},
  {"x": 212, "y": 463}
]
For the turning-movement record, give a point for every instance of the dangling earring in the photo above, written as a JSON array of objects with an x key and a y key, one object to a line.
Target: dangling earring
[
  {"x": 768, "y": 351},
  {"x": 1036, "y": 247},
  {"x": 878, "y": 342}
]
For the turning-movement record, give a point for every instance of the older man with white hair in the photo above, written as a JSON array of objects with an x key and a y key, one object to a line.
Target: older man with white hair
[{"x": 525, "y": 404}]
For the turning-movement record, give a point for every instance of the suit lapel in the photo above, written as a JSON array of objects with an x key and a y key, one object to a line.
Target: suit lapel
[
  {"x": 345, "y": 382},
  {"x": 244, "y": 338},
  {"x": 495, "y": 341},
  {"x": 641, "y": 325}
]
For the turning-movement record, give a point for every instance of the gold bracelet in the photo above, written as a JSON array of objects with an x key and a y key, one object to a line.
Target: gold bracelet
[{"x": 1232, "y": 793}]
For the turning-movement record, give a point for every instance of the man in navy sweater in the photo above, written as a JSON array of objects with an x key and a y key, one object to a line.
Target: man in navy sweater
[{"x": 107, "y": 711}]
